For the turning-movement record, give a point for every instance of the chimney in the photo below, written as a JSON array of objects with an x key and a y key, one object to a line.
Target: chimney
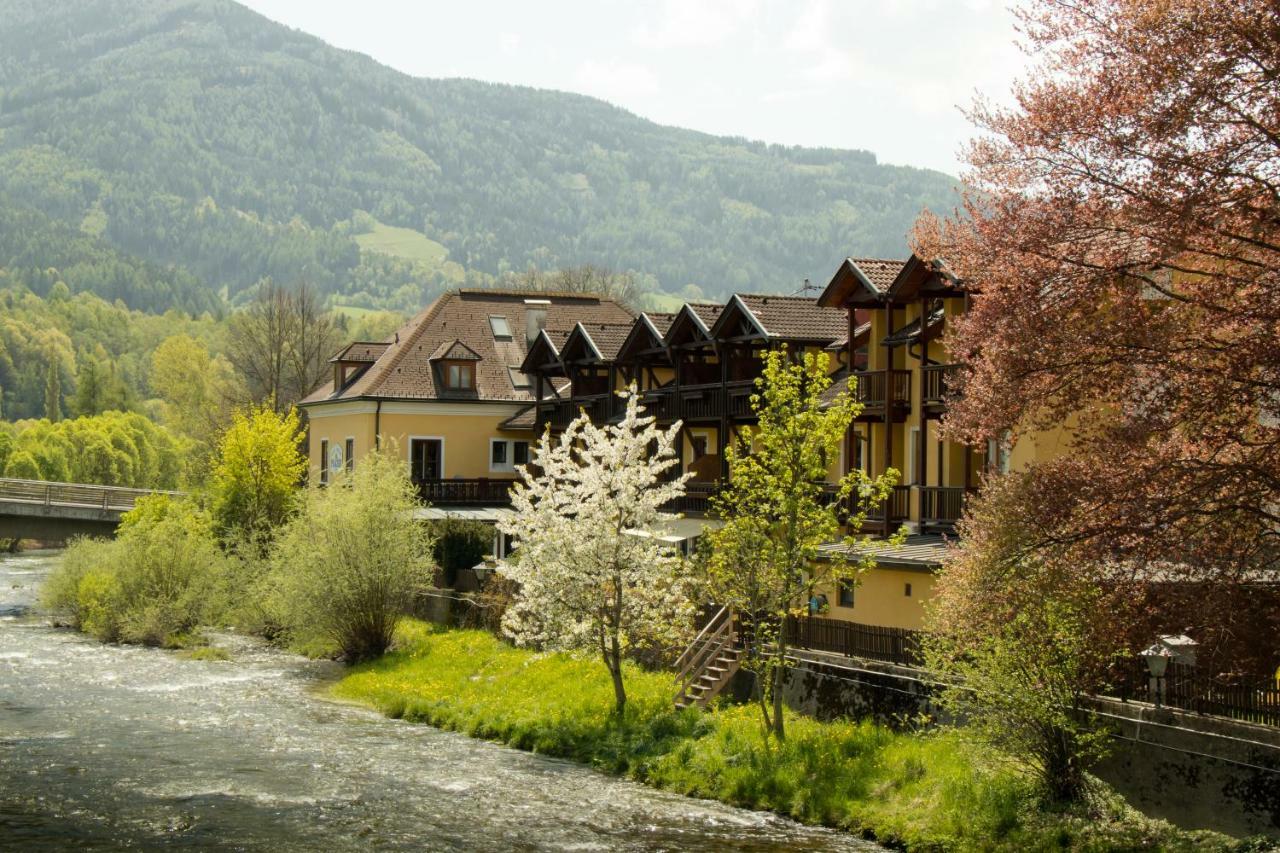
[{"x": 535, "y": 320}]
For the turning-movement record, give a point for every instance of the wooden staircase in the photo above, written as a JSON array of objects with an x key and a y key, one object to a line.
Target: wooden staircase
[{"x": 709, "y": 662}]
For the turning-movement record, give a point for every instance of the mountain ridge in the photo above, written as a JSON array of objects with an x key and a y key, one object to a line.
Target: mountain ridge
[{"x": 200, "y": 135}]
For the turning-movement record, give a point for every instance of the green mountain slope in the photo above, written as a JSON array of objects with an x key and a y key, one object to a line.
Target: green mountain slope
[{"x": 198, "y": 134}]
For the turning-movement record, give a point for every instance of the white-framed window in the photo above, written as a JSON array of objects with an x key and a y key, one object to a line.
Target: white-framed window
[
  {"x": 349, "y": 453},
  {"x": 505, "y": 455}
]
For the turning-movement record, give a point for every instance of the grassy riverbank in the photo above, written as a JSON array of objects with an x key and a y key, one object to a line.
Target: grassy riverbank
[{"x": 918, "y": 791}]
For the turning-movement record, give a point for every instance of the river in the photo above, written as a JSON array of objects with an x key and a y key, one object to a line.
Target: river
[{"x": 112, "y": 747}]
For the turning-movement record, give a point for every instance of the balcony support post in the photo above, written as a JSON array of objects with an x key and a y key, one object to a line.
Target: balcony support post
[{"x": 888, "y": 385}]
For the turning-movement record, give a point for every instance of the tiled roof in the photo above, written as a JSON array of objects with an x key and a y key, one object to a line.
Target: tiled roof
[
  {"x": 525, "y": 419},
  {"x": 608, "y": 337},
  {"x": 706, "y": 312},
  {"x": 796, "y": 318},
  {"x": 920, "y": 551},
  {"x": 839, "y": 384},
  {"x": 454, "y": 350},
  {"x": 364, "y": 352},
  {"x": 405, "y": 371},
  {"x": 879, "y": 271},
  {"x": 661, "y": 320}
]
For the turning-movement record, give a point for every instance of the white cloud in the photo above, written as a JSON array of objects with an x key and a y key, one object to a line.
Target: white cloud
[
  {"x": 615, "y": 81},
  {"x": 509, "y": 42},
  {"x": 695, "y": 23}
]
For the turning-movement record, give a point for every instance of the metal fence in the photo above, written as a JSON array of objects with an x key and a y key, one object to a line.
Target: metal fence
[{"x": 72, "y": 494}]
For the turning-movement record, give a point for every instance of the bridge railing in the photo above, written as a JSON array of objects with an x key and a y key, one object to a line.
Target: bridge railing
[{"x": 73, "y": 494}]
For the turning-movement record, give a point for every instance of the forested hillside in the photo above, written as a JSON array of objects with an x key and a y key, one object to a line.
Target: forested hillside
[{"x": 177, "y": 150}]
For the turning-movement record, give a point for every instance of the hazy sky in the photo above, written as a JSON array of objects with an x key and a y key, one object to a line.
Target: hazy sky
[{"x": 883, "y": 75}]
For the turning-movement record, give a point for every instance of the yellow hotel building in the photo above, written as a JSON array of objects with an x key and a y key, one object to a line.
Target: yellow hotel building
[{"x": 447, "y": 392}]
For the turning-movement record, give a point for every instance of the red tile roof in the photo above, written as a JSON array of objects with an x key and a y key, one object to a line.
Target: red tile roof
[
  {"x": 796, "y": 318},
  {"x": 405, "y": 369},
  {"x": 879, "y": 271}
]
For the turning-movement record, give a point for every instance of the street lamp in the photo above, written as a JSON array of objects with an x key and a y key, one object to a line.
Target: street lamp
[{"x": 1157, "y": 658}]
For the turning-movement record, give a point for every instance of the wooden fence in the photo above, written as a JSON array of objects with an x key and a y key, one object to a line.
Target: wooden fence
[
  {"x": 1251, "y": 698},
  {"x": 891, "y": 645}
]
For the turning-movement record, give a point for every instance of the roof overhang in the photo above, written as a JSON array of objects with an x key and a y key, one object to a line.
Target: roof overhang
[{"x": 850, "y": 288}]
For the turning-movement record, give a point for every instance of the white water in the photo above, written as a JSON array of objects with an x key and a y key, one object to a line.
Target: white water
[{"x": 123, "y": 747}]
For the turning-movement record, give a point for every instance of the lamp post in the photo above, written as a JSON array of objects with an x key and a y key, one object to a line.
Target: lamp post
[{"x": 1157, "y": 659}]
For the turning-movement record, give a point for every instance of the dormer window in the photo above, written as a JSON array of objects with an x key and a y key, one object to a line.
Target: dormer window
[
  {"x": 500, "y": 327},
  {"x": 460, "y": 375}
]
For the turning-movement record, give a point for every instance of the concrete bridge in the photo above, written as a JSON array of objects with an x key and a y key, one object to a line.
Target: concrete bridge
[{"x": 35, "y": 509}]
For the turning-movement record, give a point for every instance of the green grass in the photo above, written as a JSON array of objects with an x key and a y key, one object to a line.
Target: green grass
[
  {"x": 403, "y": 243},
  {"x": 922, "y": 791}
]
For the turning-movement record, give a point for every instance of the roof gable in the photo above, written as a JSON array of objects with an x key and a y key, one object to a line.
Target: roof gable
[
  {"x": 692, "y": 324},
  {"x": 646, "y": 335},
  {"x": 455, "y": 351},
  {"x": 738, "y": 322},
  {"x": 919, "y": 277},
  {"x": 860, "y": 281}
]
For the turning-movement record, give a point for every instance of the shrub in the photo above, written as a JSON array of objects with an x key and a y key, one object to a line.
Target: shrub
[
  {"x": 60, "y": 594},
  {"x": 256, "y": 474},
  {"x": 347, "y": 567},
  {"x": 153, "y": 585},
  {"x": 460, "y": 544}
]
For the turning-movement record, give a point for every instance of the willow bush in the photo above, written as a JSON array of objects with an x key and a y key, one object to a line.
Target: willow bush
[
  {"x": 154, "y": 584},
  {"x": 346, "y": 568}
]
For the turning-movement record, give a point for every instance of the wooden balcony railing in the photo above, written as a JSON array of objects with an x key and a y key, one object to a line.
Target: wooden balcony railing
[
  {"x": 696, "y": 498},
  {"x": 942, "y": 504},
  {"x": 701, "y": 401},
  {"x": 934, "y": 379},
  {"x": 874, "y": 387},
  {"x": 476, "y": 492},
  {"x": 661, "y": 403},
  {"x": 597, "y": 407},
  {"x": 738, "y": 398},
  {"x": 897, "y": 507}
]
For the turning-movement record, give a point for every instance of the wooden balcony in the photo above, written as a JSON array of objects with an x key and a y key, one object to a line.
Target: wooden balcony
[
  {"x": 696, "y": 499},
  {"x": 701, "y": 402},
  {"x": 886, "y": 517},
  {"x": 556, "y": 413},
  {"x": 738, "y": 398},
  {"x": 597, "y": 407},
  {"x": 879, "y": 392},
  {"x": 942, "y": 506},
  {"x": 934, "y": 380},
  {"x": 473, "y": 492},
  {"x": 661, "y": 403}
]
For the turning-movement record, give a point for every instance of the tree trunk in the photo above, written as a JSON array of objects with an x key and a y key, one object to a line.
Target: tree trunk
[{"x": 613, "y": 661}]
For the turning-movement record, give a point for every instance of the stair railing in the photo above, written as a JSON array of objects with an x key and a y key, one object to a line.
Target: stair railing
[{"x": 714, "y": 637}]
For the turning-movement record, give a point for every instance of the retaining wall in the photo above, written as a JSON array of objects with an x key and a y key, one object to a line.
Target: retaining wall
[{"x": 1198, "y": 772}]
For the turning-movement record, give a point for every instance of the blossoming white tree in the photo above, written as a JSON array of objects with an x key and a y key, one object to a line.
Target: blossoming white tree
[{"x": 592, "y": 572}]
